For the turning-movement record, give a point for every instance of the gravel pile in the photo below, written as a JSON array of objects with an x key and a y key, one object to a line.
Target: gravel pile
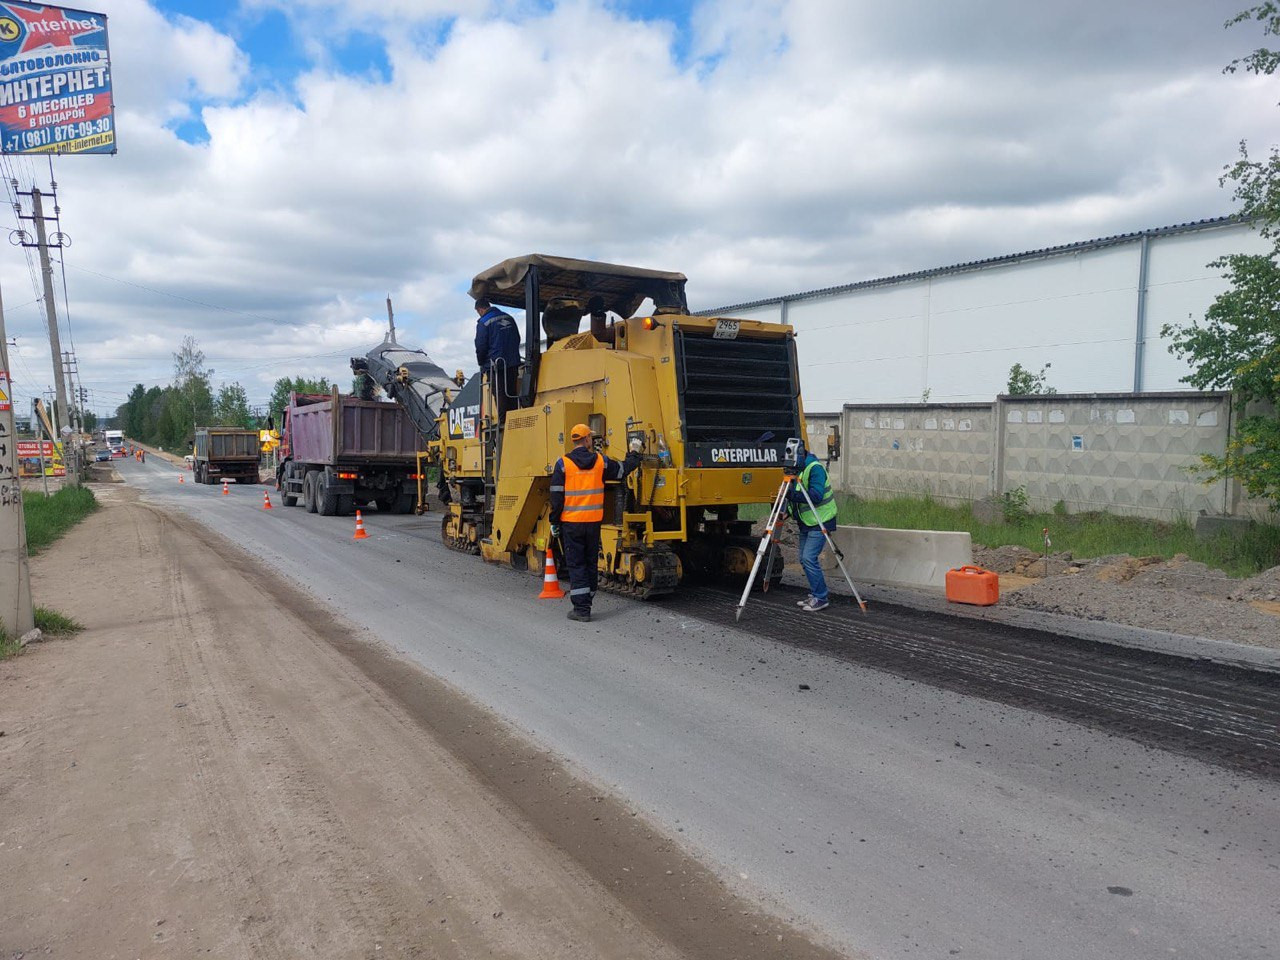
[
  {"x": 1178, "y": 595},
  {"x": 1154, "y": 607}
]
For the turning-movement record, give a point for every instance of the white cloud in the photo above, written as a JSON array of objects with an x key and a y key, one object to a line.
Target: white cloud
[{"x": 798, "y": 145}]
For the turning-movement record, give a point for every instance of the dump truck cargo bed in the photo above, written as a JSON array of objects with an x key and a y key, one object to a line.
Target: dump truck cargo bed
[{"x": 366, "y": 431}]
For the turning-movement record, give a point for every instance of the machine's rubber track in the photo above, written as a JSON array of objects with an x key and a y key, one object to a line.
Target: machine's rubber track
[
  {"x": 1223, "y": 715},
  {"x": 664, "y": 580},
  {"x": 623, "y": 588},
  {"x": 453, "y": 543}
]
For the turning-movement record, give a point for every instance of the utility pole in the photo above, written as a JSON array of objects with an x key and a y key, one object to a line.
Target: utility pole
[
  {"x": 75, "y": 415},
  {"x": 37, "y": 427},
  {"x": 16, "y": 614},
  {"x": 69, "y": 451}
]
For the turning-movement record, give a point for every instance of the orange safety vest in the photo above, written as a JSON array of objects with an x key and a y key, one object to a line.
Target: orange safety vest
[{"x": 583, "y": 492}]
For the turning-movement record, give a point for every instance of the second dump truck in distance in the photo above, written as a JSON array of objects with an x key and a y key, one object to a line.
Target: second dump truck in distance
[{"x": 225, "y": 453}]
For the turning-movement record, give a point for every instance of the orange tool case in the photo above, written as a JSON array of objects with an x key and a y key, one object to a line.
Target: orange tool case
[{"x": 973, "y": 585}]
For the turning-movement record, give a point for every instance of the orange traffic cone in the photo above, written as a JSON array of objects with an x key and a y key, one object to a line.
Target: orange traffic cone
[
  {"x": 266, "y": 500},
  {"x": 361, "y": 533},
  {"x": 182, "y": 478},
  {"x": 551, "y": 589},
  {"x": 225, "y": 492}
]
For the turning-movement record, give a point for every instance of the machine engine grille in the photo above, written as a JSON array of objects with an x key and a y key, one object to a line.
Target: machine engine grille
[{"x": 741, "y": 392}]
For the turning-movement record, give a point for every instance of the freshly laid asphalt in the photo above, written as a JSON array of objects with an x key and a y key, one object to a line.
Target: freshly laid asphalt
[{"x": 899, "y": 818}]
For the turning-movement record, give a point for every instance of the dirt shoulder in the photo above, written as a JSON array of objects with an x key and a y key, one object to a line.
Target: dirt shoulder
[
  {"x": 1177, "y": 595},
  {"x": 217, "y": 765}
]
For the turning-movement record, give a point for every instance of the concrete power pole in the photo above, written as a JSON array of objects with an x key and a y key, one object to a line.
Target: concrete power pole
[
  {"x": 72, "y": 371},
  {"x": 69, "y": 450},
  {"x": 16, "y": 614}
]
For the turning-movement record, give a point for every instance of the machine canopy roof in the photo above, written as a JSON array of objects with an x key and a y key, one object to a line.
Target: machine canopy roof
[{"x": 563, "y": 278}]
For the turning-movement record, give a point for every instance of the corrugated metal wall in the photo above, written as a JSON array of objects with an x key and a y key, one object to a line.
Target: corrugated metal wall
[{"x": 956, "y": 333}]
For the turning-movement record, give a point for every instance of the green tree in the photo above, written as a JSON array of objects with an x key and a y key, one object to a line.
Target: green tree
[
  {"x": 1237, "y": 346},
  {"x": 231, "y": 408},
  {"x": 90, "y": 421},
  {"x": 1022, "y": 382},
  {"x": 193, "y": 399},
  {"x": 286, "y": 385},
  {"x": 131, "y": 413}
]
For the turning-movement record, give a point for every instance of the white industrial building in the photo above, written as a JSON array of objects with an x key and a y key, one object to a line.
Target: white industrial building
[{"x": 1093, "y": 310}]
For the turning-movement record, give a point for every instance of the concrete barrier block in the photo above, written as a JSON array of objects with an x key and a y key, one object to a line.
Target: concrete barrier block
[{"x": 914, "y": 558}]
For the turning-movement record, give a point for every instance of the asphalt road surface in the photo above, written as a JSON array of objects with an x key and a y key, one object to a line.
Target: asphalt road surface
[{"x": 899, "y": 818}]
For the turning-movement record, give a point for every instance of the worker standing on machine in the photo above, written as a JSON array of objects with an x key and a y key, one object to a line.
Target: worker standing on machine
[
  {"x": 498, "y": 352},
  {"x": 577, "y": 510},
  {"x": 812, "y": 476}
]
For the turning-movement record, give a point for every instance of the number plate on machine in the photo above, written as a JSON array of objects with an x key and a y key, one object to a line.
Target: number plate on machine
[{"x": 726, "y": 330}]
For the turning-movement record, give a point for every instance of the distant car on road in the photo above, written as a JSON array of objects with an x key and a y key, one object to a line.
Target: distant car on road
[{"x": 102, "y": 455}]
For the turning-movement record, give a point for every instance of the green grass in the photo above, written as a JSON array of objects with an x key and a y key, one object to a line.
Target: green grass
[
  {"x": 1084, "y": 535},
  {"x": 55, "y": 624},
  {"x": 52, "y": 623},
  {"x": 48, "y": 518}
]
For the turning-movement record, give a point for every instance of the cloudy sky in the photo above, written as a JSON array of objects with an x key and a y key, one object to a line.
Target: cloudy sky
[{"x": 284, "y": 165}]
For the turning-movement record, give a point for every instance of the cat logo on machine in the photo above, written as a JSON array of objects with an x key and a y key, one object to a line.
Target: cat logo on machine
[
  {"x": 462, "y": 421},
  {"x": 743, "y": 455}
]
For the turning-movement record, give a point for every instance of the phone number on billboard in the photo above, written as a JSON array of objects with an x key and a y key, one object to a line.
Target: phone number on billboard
[{"x": 42, "y": 138}]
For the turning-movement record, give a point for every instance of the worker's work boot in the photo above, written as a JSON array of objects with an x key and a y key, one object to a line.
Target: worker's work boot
[{"x": 582, "y": 616}]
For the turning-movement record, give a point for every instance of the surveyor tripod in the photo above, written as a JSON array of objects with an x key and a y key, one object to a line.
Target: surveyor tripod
[{"x": 777, "y": 514}]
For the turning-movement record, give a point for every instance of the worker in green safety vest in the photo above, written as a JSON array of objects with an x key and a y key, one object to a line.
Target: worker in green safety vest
[{"x": 812, "y": 477}]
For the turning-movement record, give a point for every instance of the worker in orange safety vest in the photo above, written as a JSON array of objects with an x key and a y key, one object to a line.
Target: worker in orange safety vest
[{"x": 577, "y": 510}]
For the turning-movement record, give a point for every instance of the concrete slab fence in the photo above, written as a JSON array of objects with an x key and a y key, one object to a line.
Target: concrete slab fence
[{"x": 1125, "y": 453}]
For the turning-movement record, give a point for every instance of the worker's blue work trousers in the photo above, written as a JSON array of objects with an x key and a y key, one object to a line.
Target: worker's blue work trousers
[
  {"x": 581, "y": 552},
  {"x": 811, "y": 544}
]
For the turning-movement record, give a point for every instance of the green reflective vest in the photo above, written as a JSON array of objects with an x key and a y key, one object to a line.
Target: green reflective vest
[{"x": 825, "y": 502}]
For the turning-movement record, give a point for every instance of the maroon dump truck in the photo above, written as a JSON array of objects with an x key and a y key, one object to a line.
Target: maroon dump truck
[{"x": 339, "y": 452}]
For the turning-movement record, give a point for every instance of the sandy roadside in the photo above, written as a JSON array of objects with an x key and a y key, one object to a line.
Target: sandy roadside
[{"x": 217, "y": 766}]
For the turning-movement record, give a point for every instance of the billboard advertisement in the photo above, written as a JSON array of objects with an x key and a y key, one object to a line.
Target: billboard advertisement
[
  {"x": 31, "y": 453},
  {"x": 55, "y": 81}
]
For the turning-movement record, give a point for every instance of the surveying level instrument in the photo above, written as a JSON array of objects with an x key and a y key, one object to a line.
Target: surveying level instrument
[{"x": 777, "y": 514}]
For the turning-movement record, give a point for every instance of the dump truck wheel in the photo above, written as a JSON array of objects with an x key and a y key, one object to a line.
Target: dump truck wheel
[
  {"x": 405, "y": 503},
  {"x": 288, "y": 499},
  {"x": 309, "y": 490},
  {"x": 326, "y": 497}
]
